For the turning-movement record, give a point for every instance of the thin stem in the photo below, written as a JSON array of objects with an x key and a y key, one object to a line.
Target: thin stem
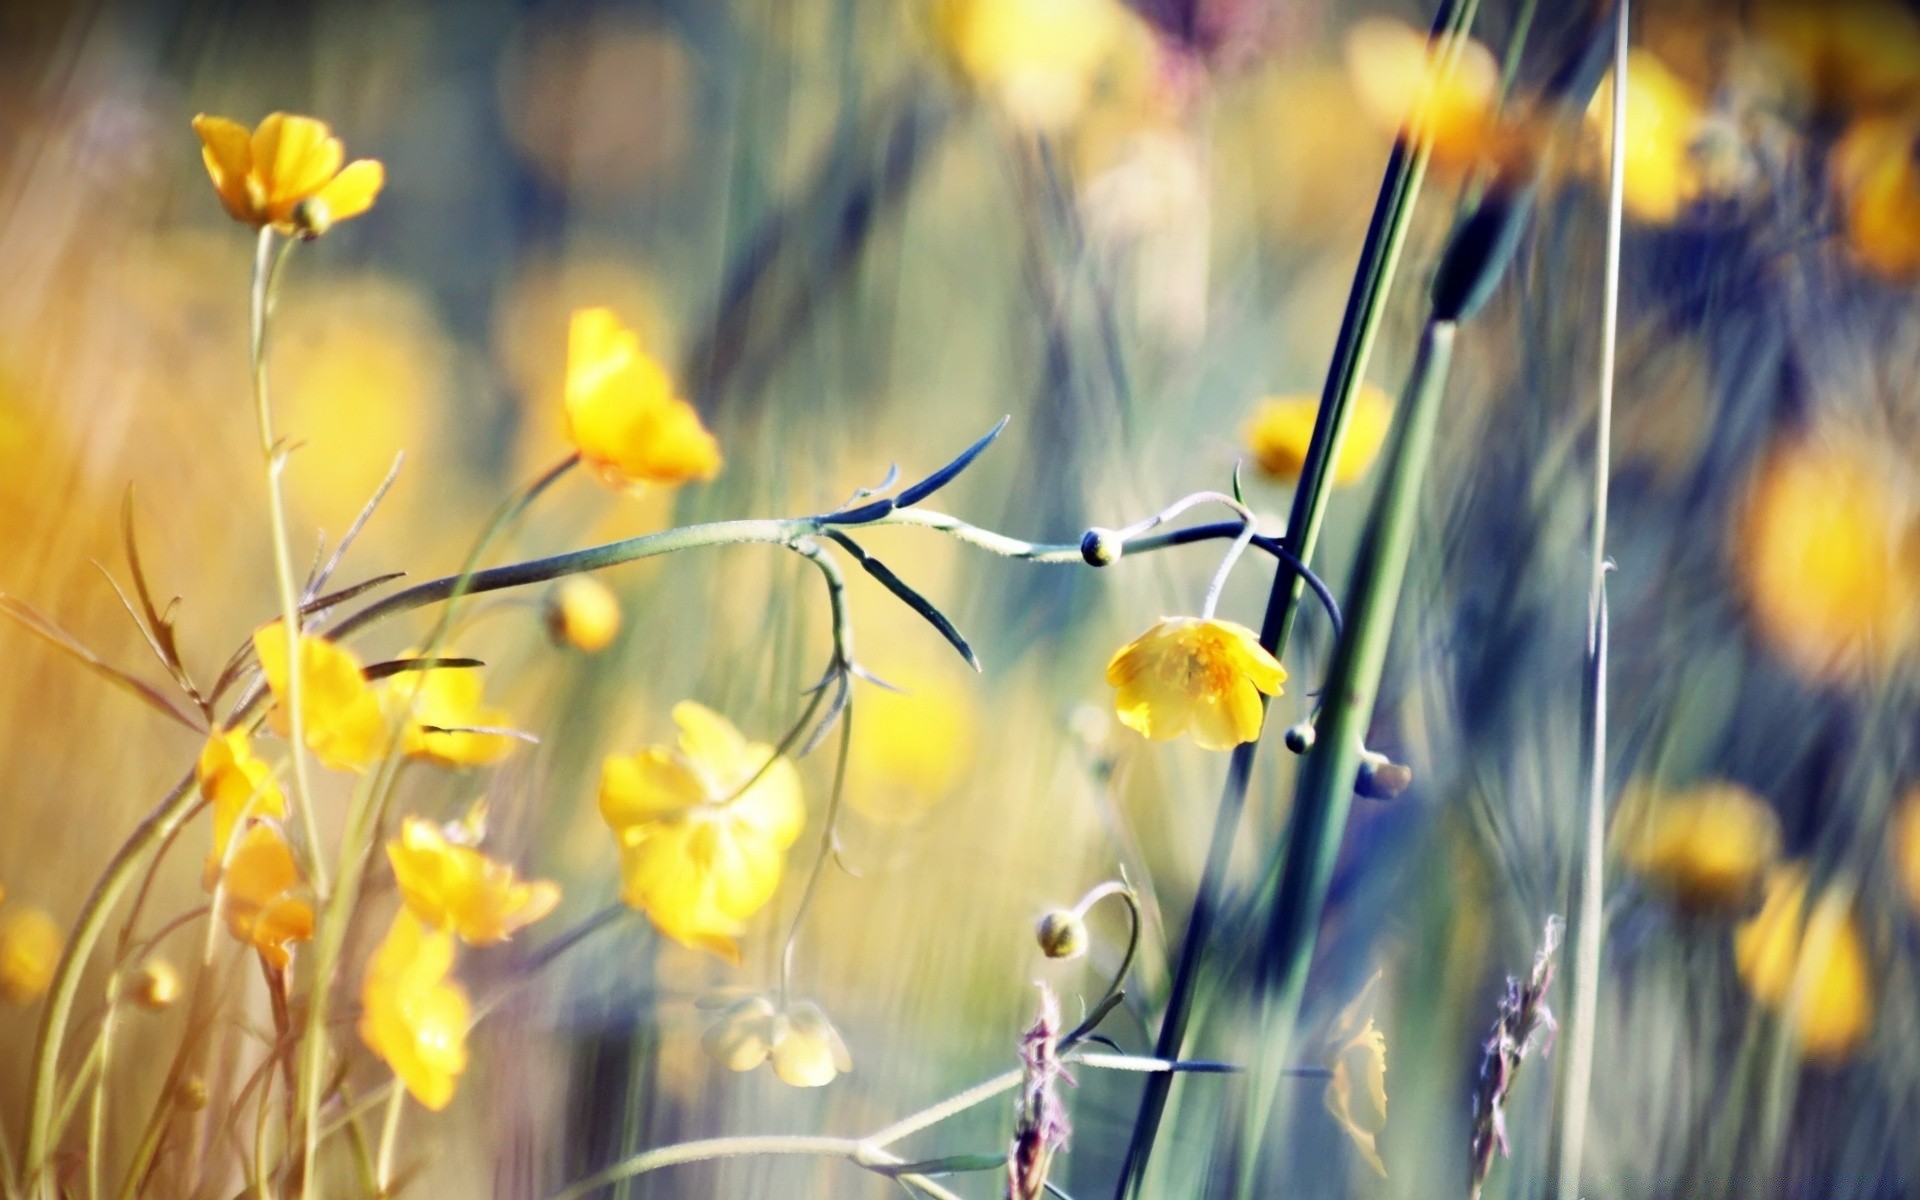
[
  {"x": 97, "y": 1117},
  {"x": 1114, "y": 887},
  {"x": 389, "y": 1137}
]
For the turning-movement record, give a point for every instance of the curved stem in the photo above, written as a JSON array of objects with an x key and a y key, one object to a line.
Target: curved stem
[{"x": 1086, "y": 1027}]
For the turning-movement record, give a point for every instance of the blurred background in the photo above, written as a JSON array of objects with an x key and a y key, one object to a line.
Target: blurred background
[{"x": 860, "y": 232}]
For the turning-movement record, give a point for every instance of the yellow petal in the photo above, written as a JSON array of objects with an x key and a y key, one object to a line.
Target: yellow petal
[
  {"x": 226, "y": 148},
  {"x": 645, "y": 788},
  {"x": 293, "y": 156},
  {"x": 1809, "y": 964},
  {"x": 412, "y": 1016},
  {"x": 353, "y": 190},
  {"x": 29, "y": 950},
  {"x": 807, "y": 1050}
]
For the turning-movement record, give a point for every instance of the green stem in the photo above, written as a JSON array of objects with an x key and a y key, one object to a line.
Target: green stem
[{"x": 389, "y": 1138}]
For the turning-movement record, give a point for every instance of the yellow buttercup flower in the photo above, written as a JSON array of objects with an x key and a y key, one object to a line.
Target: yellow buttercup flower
[
  {"x": 447, "y": 708},
  {"x": 286, "y": 173},
  {"x": 261, "y": 898},
  {"x": 451, "y": 886},
  {"x": 703, "y": 828},
  {"x": 912, "y": 749},
  {"x": 1189, "y": 674},
  {"x": 1906, "y": 845},
  {"x": 622, "y": 412},
  {"x": 583, "y": 613},
  {"x": 1406, "y": 88},
  {"x": 1809, "y": 964},
  {"x": 804, "y": 1047},
  {"x": 1282, "y": 427},
  {"x": 1878, "y": 183},
  {"x": 1706, "y": 846},
  {"x": 1037, "y": 60},
  {"x": 29, "y": 950},
  {"x": 412, "y": 1015},
  {"x": 237, "y": 785},
  {"x": 1664, "y": 121},
  {"x": 1356, "y": 1095},
  {"x": 340, "y": 713}
]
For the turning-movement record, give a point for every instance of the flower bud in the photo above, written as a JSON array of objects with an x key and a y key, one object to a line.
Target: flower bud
[
  {"x": 192, "y": 1093},
  {"x": 311, "y": 218},
  {"x": 1062, "y": 933},
  {"x": 157, "y": 986},
  {"x": 1300, "y": 737},
  {"x": 1101, "y": 547},
  {"x": 583, "y": 613},
  {"x": 1381, "y": 778}
]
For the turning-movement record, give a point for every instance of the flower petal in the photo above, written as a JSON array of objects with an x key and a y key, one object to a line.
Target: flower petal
[{"x": 353, "y": 190}]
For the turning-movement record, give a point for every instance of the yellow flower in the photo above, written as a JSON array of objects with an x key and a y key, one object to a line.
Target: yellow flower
[
  {"x": 1809, "y": 964},
  {"x": 911, "y": 749},
  {"x": 260, "y": 900},
  {"x": 1282, "y": 426},
  {"x": 1828, "y": 557},
  {"x": 237, "y": 785},
  {"x": 412, "y": 1015},
  {"x": 1906, "y": 845},
  {"x": 583, "y": 613},
  {"x": 286, "y": 174},
  {"x": 805, "y": 1048},
  {"x": 450, "y": 886},
  {"x": 340, "y": 713},
  {"x": 157, "y": 986},
  {"x": 703, "y": 828},
  {"x": 1664, "y": 121},
  {"x": 622, "y": 413},
  {"x": 1848, "y": 53},
  {"x": 1356, "y": 1095},
  {"x": 1707, "y": 846},
  {"x": 1878, "y": 183},
  {"x": 1404, "y": 87},
  {"x": 446, "y": 705},
  {"x": 1038, "y": 60},
  {"x": 1188, "y": 674},
  {"x": 29, "y": 950}
]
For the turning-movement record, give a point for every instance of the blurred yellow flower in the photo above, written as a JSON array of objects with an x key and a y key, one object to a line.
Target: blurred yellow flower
[
  {"x": 1281, "y": 428},
  {"x": 1828, "y": 558},
  {"x": 1187, "y": 674},
  {"x": 237, "y": 785},
  {"x": 1906, "y": 845},
  {"x": 447, "y": 707},
  {"x": 622, "y": 413},
  {"x": 912, "y": 748},
  {"x": 451, "y": 886},
  {"x": 1037, "y": 60},
  {"x": 340, "y": 713},
  {"x": 259, "y": 898},
  {"x": 412, "y": 1015},
  {"x": 1406, "y": 88},
  {"x": 1809, "y": 964},
  {"x": 286, "y": 173},
  {"x": 805, "y": 1048},
  {"x": 703, "y": 828},
  {"x": 1356, "y": 1095},
  {"x": 583, "y": 613},
  {"x": 1707, "y": 846},
  {"x": 1664, "y": 121},
  {"x": 29, "y": 950},
  {"x": 1847, "y": 54},
  {"x": 157, "y": 985},
  {"x": 1878, "y": 182}
]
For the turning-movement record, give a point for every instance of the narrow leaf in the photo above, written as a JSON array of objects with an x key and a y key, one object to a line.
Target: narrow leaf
[
  {"x": 912, "y": 599},
  {"x": 945, "y": 475},
  {"x": 40, "y": 625},
  {"x": 861, "y": 515},
  {"x": 347, "y": 593},
  {"x": 396, "y": 666}
]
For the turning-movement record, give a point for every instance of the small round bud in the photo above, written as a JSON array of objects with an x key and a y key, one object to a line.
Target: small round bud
[
  {"x": 1381, "y": 778},
  {"x": 1300, "y": 737},
  {"x": 1062, "y": 934},
  {"x": 192, "y": 1093},
  {"x": 157, "y": 986},
  {"x": 583, "y": 613},
  {"x": 311, "y": 218},
  {"x": 1101, "y": 547}
]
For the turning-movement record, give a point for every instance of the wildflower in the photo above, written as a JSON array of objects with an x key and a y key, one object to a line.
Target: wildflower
[
  {"x": 583, "y": 613},
  {"x": 1664, "y": 121},
  {"x": 1282, "y": 426},
  {"x": 703, "y": 828},
  {"x": 1524, "y": 1023},
  {"x": 1037, "y": 60},
  {"x": 238, "y": 785},
  {"x": 340, "y": 714},
  {"x": 157, "y": 985},
  {"x": 622, "y": 414},
  {"x": 1406, "y": 87},
  {"x": 912, "y": 750},
  {"x": 259, "y": 895},
  {"x": 1878, "y": 183},
  {"x": 1194, "y": 674},
  {"x": 1707, "y": 846},
  {"x": 286, "y": 174},
  {"x": 1906, "y": 845},
  {"x": 1808, "y": 964},
  {"x": 29, "y": 949},
  {"x": 1356, "y": 1094},
  {"x": 412, "y": 1015},
  {"x": 1848, "y": 54},
  {"x": 804, "y": 1047},
  {"x": 448, "y": 716},
  {"x": 455, "y": 887},
  {"x": 1826, "y": 553},
  {"x": 1040, "y": 1127}
]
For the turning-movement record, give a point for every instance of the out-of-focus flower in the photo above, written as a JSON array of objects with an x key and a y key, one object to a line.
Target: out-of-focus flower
[
  {"x": 1906, "y": 845},
  {"x": 912, "y": 749},
  {"x": 1808, "y": 963},
  {"x": 286, "y": 173},
  {"x": 237, "y": 784},
  {"x": 1664, "y": 122},
  {"x": 703, "y": 828},
  {"x": 448, "y": 709},
  {"x": 1407, "y": 88},
  {"x": 1877, "y": 177},
  {"x": 261, "y": 895},
  {"x": 1281, "y": 428},
  {"x": 1846, "y": 54},
  {"x": 1037, "y": 60},
  {"x": 340, "y": 714},
  {"x": 1707, "y": 846},
  {"x": 450, "y": 886},
  {"x": 622, "y": 413},
  {"x": 1356, "y": 1095},
  {"x": 1062, "y": 933},
  {"x": 1191, "y": 675},
  {"x": 157, "y": 985},
  {"x": 29, "y": 949},
  {"x": 805, "y": 1048},
  {"x": 583, "y": 613},
  {"x": 412, "y": 1015},
  {"x": 1827, "y": 557}
]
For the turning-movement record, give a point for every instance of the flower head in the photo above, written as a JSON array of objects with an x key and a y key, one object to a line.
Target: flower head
[
  {"x": 1282, "y": 427},
  {"x": 1406, "y": 86},
  {"x": 1664, "y": 121},
  {"x": 583, "y": 613},
  {"x": 448, "y": 711},
  {"x": 1356, "y": 1094},
  {"x": 1038, "y": 60},
  {"x": 1808, "y": 963},
  {"x": 703, "y": 828},
  {"x": 261, "y": 897},
  {"x": 1706, "y": 846},
  {"x": 340, "y": 714},
  {"x": 238, "y": 786},
  {"x": 804, "y": 1047},
  {"x": 451, "y": 886},
  {"x": 412, "y": 1015},
  {"x": 622, "y": 412},
  {"x": 286, "y": 173},
  {"x": 1877, "y": 179},
  {"x": 29, "y": 949},
  {"x": 1198, "y": 675}
]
